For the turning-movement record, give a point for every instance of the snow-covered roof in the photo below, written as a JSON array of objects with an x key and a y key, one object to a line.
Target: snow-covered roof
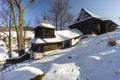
[
  {"x": 104, "y": 19},
  {"x": 45, "y": 23},
  {"x": 60, "y": 36},
  {"x": 92, "y": 14},
  {"x": 86, "y": 14},
  {"x": 45, "y": 40},
  {"x": 67, "y": 34}
]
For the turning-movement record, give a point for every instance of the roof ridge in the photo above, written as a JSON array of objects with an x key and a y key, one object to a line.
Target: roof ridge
[{"x": 90, "y": 13}]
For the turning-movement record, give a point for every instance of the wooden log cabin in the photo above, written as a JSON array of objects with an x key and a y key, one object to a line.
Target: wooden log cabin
[
  {"x": 47, "y": 39},
  {"x": 89, "y": 23}
]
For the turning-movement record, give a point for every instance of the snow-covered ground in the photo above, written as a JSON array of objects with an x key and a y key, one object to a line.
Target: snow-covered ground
[
  {"x": 3, "y": 47},
  {"x": 4, "y": 42},
  {"x": 91, "y": 59},
  {"x": 3, "y": 51}
]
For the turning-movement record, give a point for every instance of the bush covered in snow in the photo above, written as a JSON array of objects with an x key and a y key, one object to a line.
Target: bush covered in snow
[
  {"x": 38, "y": 77},
  {"x": 112, "y": 43}
]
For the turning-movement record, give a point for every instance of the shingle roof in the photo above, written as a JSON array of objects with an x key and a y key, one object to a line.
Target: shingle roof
[
  {"x": 86, "y": 14},
  {"x": 60, "y": 36}
]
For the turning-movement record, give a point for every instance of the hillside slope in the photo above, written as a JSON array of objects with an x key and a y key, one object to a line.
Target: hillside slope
[{"x": 91, "y": 59}]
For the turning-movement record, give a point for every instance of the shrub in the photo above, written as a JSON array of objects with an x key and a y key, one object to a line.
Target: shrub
[
  {"x": 112, "y": 43},
  {"x": 38, "y": 77}
]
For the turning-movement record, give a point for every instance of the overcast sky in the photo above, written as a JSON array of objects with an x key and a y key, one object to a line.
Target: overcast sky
[{"x": 105, "y": 8}]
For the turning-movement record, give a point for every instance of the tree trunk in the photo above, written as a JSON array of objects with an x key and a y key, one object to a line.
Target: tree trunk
[
  {"x": 56, "y": 26},
  {"x": 20, "y": 37},
  {"x": 20, "y": 40},
  {"x": 56, "y": 23},
  {"x": 9, "y": 45}
]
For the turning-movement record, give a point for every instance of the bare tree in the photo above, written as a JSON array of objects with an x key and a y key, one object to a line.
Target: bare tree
[
  {"x": 27, "y": 25},
  {"x": 59, "y": 13},
  {"x": 17, "y": 10},
  {"x": 6, "y": 17},
  {"x": 37, "y": 21}
]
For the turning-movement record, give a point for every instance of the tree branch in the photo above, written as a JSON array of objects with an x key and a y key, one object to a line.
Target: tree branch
[
  {"x": 17, "y": 4},
  {"x": 13, "y": 11},
  {"x": 29, "y": 4}
]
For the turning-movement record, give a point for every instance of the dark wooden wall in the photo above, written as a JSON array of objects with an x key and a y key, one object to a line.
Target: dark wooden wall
[
  {"x": 110, "y": 26},
  {"x": 89, "y": 26},
  {"x": 44, "y": 47},
  {"x": 94, "y": 26},
  {"x": 42, "y": 32}
]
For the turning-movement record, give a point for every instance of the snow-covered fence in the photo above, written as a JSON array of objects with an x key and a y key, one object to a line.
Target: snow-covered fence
[{"x": 22, "y": 58}]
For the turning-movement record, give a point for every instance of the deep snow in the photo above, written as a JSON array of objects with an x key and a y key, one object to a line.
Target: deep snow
[{"x": 91, "y": 59}]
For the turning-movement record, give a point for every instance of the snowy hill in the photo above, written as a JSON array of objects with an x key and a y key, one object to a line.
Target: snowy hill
[{"x": 91, "y": 59}]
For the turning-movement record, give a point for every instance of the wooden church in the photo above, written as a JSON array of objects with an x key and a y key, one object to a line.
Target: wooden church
[
  {"x": 46, "y": 39},
  {"x": 89, "y": 23}
]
